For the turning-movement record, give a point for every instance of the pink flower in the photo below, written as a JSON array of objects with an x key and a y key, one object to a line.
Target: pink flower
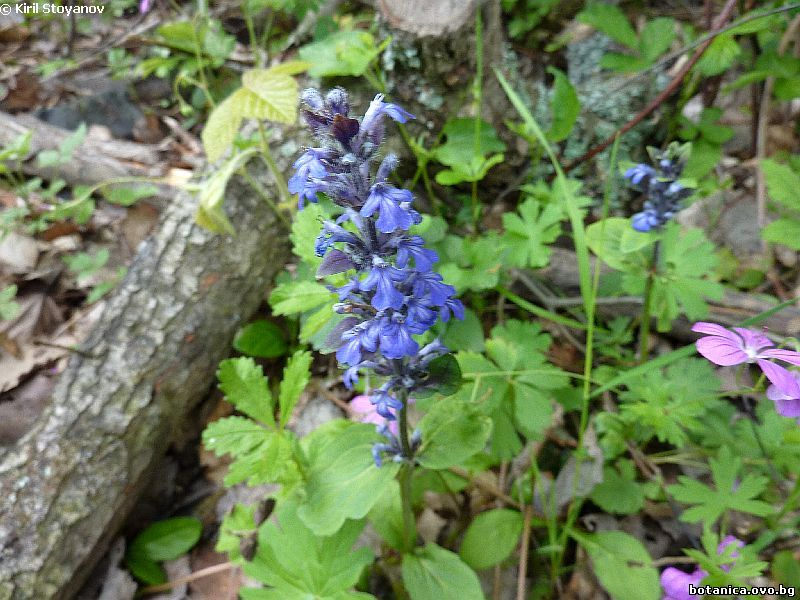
[
  {"x": 363, "y": 407},
  {"x": 675, "y": 583},
  {"x": 727, "y": 348},
  {"x": 787, "y": 405}
]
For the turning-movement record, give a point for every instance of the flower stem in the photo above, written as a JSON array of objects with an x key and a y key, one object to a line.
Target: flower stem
[
  {"x": 406, "y": 472},
  {"x": 280, "y": 180},
  {"x": 644, "y": 326}
]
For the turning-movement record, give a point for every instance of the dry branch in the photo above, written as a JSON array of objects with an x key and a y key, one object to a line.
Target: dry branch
[{"x": 562, "y": 272}]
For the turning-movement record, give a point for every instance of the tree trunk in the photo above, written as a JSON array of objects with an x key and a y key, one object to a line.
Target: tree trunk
[{"x": 68, "y": 484}]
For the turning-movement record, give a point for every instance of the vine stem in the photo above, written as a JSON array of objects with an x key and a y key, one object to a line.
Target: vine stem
[
  {"x": 671, "y": 88},
  {"x": 644, "y": 326},
  {"x": 406, "y": 471}
]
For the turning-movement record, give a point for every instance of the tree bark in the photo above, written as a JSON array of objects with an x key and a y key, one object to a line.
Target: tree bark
[{"x": 68, "y": 484}]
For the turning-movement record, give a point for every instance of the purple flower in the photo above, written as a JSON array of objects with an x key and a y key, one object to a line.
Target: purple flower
[
  {"x": 385, "y": 404},
  {"x": 393, "y": 295},
  {"x": 363, "y": 406},
  {"x": 393, "y": 206},
  {"x": 309, "y": 175},
  {"x": 730, "y": 540},
  {"x": 787, "y": 403},
  {"x": 414, "y": 248},
  {"x": 396, "y": 340},
  {"x": 727, "y": 348},
  {"x": 382, "y": 278},
  {"x": 639, "y": 172},
  {"x": 675, "y": 582},
  {"x": 144, "y": 6},
  {"x": 378, "y": 108}
]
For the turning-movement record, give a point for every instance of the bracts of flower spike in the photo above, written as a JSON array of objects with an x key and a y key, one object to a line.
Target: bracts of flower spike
[
  {"x": 664, "y": 195},
  {"x": 393, "y": 294}
]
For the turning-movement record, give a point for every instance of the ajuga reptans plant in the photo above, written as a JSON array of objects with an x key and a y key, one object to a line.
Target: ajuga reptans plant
[
  {"x": 393, "y": 294},
  {"x": 664, "y": 194}
]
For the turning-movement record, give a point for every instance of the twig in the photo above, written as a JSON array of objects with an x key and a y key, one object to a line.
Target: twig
[
  {"x": 704, "y": 38},
  {"x": 208, "y": 571},
  {"x": 486, "y": 487},
  {"x": 674, "y": 560},
  {"x": 761, "y": 134},
  {"x": 664, "y": 95},
  {"x": 523, "y": 554},
  {"x": 126, "y": 35}
]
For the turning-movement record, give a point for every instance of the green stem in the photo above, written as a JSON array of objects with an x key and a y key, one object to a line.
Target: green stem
[
  {"x": 266, "y": 197},
  {"x": 644, "y": 325},
  {"x": 406, "y": 472},
  {"x": 280, "y": 181}
]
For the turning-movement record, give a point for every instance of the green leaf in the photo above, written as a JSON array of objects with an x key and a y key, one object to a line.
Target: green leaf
[
  {"x": 783, "y": 231},
  {"x": 295, "y": 379},
  {"x": 667, "y": 404},
  {"x": 8, "y": 308},
  {"x": 452, "y": 431},
  {"x": 342, "y": 479},
  {"x": 782, "y": 183},
  {"x": 786, "y": 568},
  {"x": 387, "y": 517},
  {"x": 222, "y": 125},
  {"x": 245, "y": 386},
  {"x": 299, "y": 563},
  {"x": 210, "y": 213},
  {"x": 610, "y": 19},
  {"x": 464, "y": 334},
  {"x": 491, "y": 538},
  {"x": 260, "y": 455},
  {"x": 127, "y": 196},
  {"x": 305, "y": 229},
  {"x": 145, "y": 570},
  {"x": 622, "y": 564},
  {"x": 298, "y": 296},
  {"x": 684, "y": 282},
  {"x": 237, "y": 524},
  {"x": 433, "y": 573},
  {"x": 84, "y": 265},
  {"x": 533, "y": 410},
  {"x": 262, "y": 339},
  {"x": 619, "y": 493},
  {"x": 528, "y": 233},
  {"x": 564, "y": 105},
  {"x": 605, "y": 239},
  {"x": 719, "y": 56},
  {"x": 729, "y": 493},
  {"x": 656, "y": 38},
  {"x": 277, "y": 90},
  {"x": 340, "y": 54},
  {"x": 461, "y": 148},
  {"x": 163, "y": 540}
]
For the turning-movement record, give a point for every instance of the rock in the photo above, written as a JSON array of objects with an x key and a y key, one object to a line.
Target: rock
[{"x": 111, "y": 108}]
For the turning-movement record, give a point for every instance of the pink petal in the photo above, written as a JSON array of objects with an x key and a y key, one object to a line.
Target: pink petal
[
  {"x": 718, "y": 330},
  {"x": 781, "y": 378},
  {"x": 721, "y": 351},
  {"x": 774, "y": 394},
  {"x": 785, "y": 355},
  {"x": 788, "y": 408},
  {"x": 753, "y": 339}
]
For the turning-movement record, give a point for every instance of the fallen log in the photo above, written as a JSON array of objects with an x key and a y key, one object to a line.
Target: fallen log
[
  {"x": 68, "y": 484},
  {"x": 562, "y": 272},
  {"x": 94, "y": 161}
]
